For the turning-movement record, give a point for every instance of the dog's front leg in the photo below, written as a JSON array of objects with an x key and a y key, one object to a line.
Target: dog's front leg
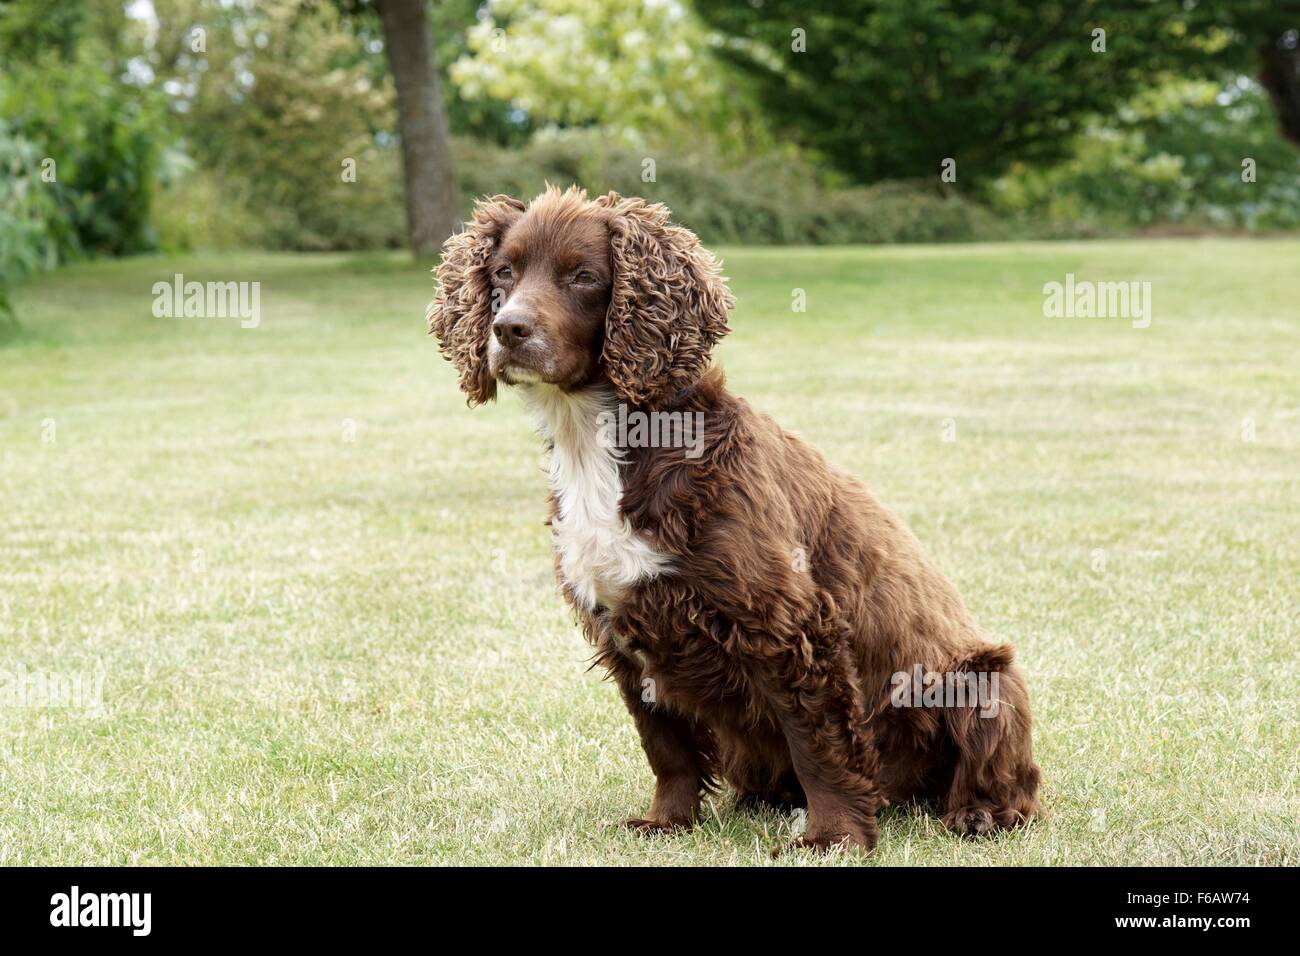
[
  {"x": 812, "y": 689},
  {"x": 678, "y": 751}
]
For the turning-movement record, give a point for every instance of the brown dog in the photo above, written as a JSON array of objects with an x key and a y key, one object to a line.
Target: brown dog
[{"x": 767, "y": 621}]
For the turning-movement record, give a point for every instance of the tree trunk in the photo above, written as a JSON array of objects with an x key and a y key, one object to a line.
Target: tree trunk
[
  {"x": 1280, "y": 75},
  {"x": 431, "y": 207}
]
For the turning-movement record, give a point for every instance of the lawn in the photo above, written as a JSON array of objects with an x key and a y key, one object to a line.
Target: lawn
[{"x": 317, "y": 588}]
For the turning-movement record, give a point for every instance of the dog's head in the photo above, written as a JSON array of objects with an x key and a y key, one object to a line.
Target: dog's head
[{"x": 571, "y": 292}]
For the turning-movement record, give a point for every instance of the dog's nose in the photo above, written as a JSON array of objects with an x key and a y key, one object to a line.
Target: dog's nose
[{"x": 511, "y": 328}]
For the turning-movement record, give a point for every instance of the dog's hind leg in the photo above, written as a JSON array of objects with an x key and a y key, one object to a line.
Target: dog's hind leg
[{"x": 995, "y": 780}]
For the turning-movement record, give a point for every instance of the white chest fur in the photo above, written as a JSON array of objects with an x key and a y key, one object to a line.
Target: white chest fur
[{"x": 600, "y": 555}]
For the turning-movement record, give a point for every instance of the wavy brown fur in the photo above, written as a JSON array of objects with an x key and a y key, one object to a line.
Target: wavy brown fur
[
  {"x": 669, "y": 304},
  {"x": 461, "y": 314},
  {"x": 794, "y": 595}
]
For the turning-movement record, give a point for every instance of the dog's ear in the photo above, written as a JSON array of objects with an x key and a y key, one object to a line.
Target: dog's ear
[
  {"x": 668, "y": 306},
  {"x": 460, "y": 315}
]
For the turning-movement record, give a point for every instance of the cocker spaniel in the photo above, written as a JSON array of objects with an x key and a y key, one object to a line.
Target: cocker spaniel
[{"x": 767, "y": 621}]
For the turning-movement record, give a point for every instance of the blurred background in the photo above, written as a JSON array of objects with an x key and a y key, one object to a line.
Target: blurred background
[{"x": 199, "y": 125}]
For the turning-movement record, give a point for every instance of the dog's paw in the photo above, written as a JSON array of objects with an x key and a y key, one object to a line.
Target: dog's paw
[
  {"x": 651, "y": 827},
  {"x": 863, "y": 842},
  {"x": 970, "y": 822}
]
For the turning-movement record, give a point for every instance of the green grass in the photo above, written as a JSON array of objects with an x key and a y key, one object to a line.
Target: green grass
[{"x": 318, "y": 651}]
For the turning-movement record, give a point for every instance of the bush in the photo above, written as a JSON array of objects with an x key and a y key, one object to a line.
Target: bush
[
  {"x": 902, "y": 212},
  {"x": 1172, "y": 158},
  {"x": 28, "y": 208},
  {"x": 768, "y": 200},
  {"x": 280, "y": 144},
  {"x": 199, "y": 210},
  {"x": 102, "y": 139},
  {"x": 77, "y": 167}
]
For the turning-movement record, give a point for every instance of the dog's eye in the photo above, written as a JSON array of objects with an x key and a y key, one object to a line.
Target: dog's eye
[
  {"x": 583, "y": 277},
  {"x": 504, "y": 274}
]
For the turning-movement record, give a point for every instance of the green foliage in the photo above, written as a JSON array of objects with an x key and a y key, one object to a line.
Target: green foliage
[
  {"x": 890, "y": 88},
  {"x": 285, "y": 109},
  {"x": 639, "y": 70},
  {"x": 28, "y": 209},
  {"x": 287, "y": 93},
  {"x": 482, "y": 116},
  {"x": 891, "y": 212},
  {"x": 29, "y": 29},
  {"x": 1171, "y": 157},
  {"x": 104, "y": 138},
  {"x": 768, "y": 199},
  {"x": 97, "y": 136},
  {"x": 77, "y": 144},
  {"x": 197, "y": 209}
]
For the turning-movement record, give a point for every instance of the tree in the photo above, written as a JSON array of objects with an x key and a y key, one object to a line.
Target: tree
[
  {"x": 288, "y": 114},
  {"x": 1280, "y": 74},
  {"x": 432, "y": 212},
  {"x": 633, "y": 68},
  {"x": 1260, "y": 37},
  {"x": 892, "y": 88},
  {"x": 287, "y": 89}
]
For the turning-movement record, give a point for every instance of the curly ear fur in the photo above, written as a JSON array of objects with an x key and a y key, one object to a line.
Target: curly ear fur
[
  {"x": 668, "y": 307},
  {"x": 460, "y": 315}
]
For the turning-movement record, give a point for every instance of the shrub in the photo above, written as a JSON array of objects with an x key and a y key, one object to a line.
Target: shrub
[
  {"x": 901, "y": 212},
  {"x": 199, "y": 210},
  {"x": 770, "y": 199},
  {"x": 77, "y": 152},
  {"x": 1172, "y": 157},
  {"x": 28, "y": 210},
  {"x": 281, "y": 141},
  {"x": 103, "y": 138}
]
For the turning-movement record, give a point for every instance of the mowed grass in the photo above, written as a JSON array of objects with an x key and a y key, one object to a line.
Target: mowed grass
[{"x": 318, "y": 650}]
